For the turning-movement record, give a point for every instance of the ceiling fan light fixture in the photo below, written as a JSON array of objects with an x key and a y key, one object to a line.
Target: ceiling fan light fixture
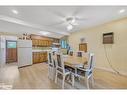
[
  {"x": 69, "y": 27},
  {"x": 73, "y": 21},
  {"x": 70, "y": 20},
  {"x": 121, "y": 11},
  {"x": 15, "y": 11}
]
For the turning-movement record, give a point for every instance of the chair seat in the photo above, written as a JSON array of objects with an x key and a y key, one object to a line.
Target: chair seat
[
  {"x": 60, "y": 70},
  {"x": 70, "y": 68},
  {"x": 83, "y": 72}
]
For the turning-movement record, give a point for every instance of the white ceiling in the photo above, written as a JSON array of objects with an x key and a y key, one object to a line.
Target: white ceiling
[{"x": 32, "y": 19}]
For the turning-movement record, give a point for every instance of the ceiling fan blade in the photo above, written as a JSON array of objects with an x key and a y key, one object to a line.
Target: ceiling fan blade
[
  {"x": 59, "y": 14},
  {"x": 81, "y": 19},
  {"x": 55, "y": 24},
  {"x": 77, "y": 11}
]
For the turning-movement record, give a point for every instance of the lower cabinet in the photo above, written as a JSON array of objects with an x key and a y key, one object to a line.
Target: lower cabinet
[{"x": 39, "y": 57}]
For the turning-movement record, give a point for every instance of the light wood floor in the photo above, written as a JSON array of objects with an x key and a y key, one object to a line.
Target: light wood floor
[{"x": 35, "y": 77}]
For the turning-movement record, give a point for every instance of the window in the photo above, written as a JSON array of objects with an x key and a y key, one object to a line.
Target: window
[
  {"x": 11, "y": 44},
  {"x": 63, "y": 44}
]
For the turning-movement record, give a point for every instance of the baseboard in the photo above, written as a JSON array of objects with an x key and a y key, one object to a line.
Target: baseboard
[{"x": 110, "y": 70}]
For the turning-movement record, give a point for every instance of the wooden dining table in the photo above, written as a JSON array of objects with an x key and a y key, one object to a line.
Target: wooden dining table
[{"x": 74, "y": 61}]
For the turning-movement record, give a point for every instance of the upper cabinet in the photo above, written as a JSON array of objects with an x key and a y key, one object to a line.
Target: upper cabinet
[
  {"x": 55, "y": 40},
  {"x": 41, "y": 41}
]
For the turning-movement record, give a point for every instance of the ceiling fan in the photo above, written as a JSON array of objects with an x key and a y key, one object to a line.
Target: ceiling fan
[{"x": 70, "y": 21}]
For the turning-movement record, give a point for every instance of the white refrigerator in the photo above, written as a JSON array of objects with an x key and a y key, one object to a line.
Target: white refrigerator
[{"x": 24, "y": 52}]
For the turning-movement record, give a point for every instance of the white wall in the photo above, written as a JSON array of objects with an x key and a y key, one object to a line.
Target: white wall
[{"x": 117, "y": 52}]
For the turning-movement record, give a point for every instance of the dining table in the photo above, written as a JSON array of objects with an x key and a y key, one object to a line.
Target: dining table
[{"x": 74, "y": 61}]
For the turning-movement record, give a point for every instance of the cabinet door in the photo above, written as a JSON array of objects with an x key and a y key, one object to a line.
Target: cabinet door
[
  {"x": 33, "y": 57},
  {"x": 33, "y": 42},
  {"x": 39, "y": 42},
  {"x": 41, "y": 57},
  {"x": 46, "y": 43},
  {"x": 36, "y": 57},
  {"x": 45, "y": 56},
  {"x": 36, "y": 42}
]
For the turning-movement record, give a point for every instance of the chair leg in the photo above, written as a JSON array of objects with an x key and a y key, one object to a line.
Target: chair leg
[
  {"x": 56, "y": 78},
  {"x": 48, "y": 72},
  {"x": 63, "y": 81},
  {"x": 87, "y": 81},
  {"x": 92, "y": 80},
  {"x": 54, "y": 74},
  {"x": 73, "y": 79}
]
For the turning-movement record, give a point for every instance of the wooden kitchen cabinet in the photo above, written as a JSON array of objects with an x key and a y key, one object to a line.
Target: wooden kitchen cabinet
[
  {"x": 34, "y": 57},
  {"x": 39, "y": 57},
  {"x": 46, "y": 43},
  {"x": 41, "y": 43},
  {"x": 35, "y": 42},
  {"x": 45, "y": 56}
]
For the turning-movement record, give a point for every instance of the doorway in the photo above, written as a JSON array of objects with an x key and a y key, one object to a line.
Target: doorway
[{"x": 11, "y": 51}]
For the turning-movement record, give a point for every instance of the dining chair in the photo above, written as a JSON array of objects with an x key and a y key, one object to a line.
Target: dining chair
[
  {"x": 80, "y": 53},
  {"x": 60, "y": 69},
  {"x": 82, "y": 72},
  {"x": 71, "y": 53},
  {"x": 51, "y": 65}
]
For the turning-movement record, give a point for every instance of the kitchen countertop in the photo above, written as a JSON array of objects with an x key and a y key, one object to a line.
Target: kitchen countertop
[{"x": 40, "y": 50}]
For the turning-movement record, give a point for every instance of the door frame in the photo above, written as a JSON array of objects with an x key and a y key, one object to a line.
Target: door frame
[{"x": 16, "y": 50}]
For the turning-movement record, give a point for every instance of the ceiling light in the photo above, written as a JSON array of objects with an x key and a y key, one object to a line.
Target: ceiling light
[
  {"x": 70, "y": 20},
  {"x": 73, "y": 20},
  {"x": 122, "y": 11},
  {"x": 69, "y": 27},
  {"x": 44, "y": 33},
  {"x": 15, "y": 11}
]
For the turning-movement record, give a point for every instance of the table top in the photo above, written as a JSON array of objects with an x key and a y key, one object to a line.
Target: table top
[{"x": 74, "y": 61}]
